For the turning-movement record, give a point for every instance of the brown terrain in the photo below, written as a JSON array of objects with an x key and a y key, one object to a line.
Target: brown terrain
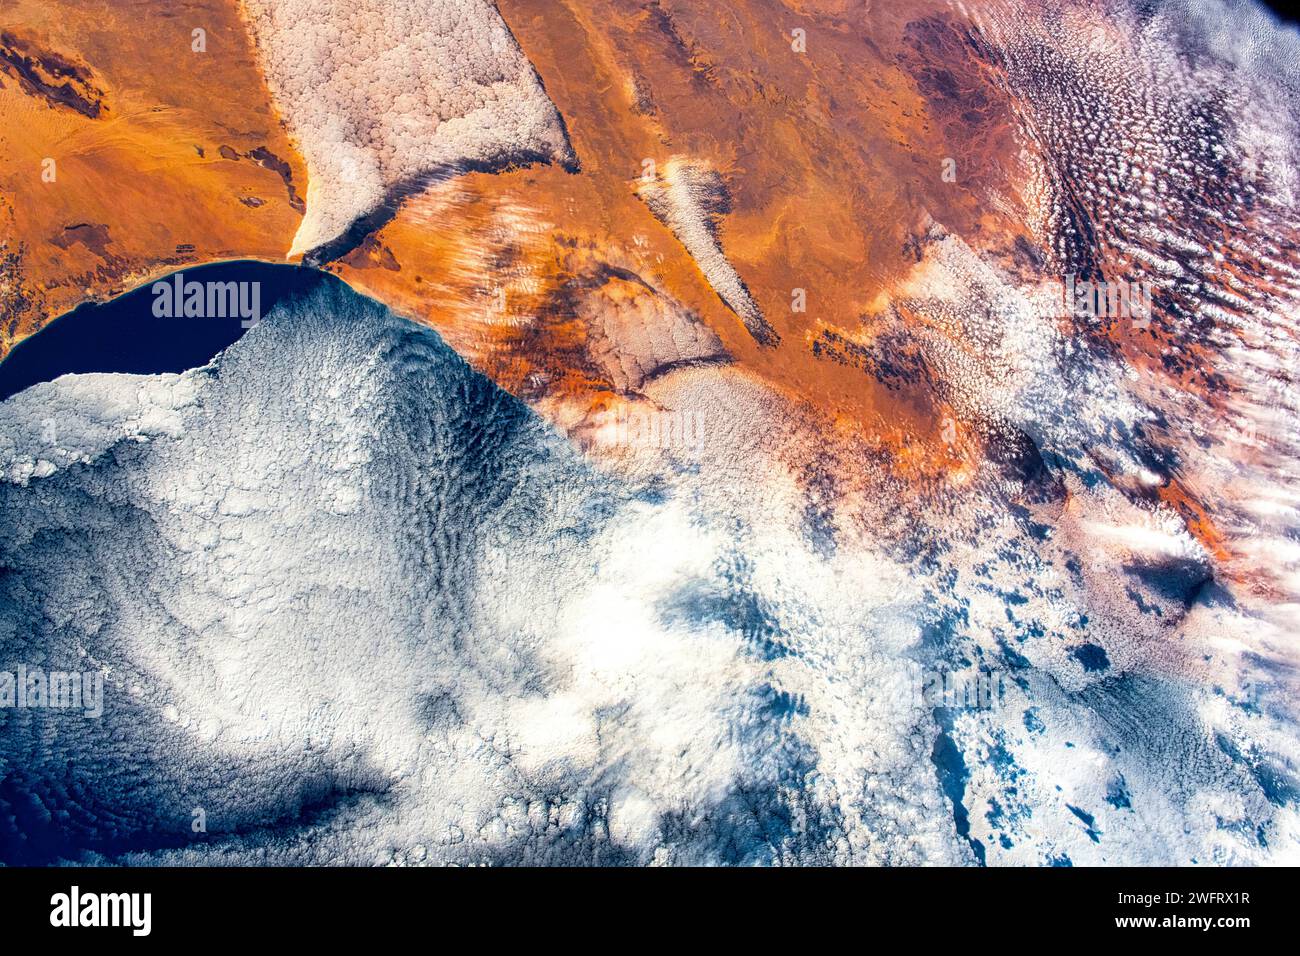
[
  {"x": 162, "y": 156},
  {"x": 831, "y": 164},
  {"x": 564, "y": 286},
  {"x": 829, "y": 158}
]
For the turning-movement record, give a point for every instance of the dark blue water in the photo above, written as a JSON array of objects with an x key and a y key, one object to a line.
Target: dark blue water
[
  {"x": 124, "y": 335},
  {"x": 1283, "y": 10}
]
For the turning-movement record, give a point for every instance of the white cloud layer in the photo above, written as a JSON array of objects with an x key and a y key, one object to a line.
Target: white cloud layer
[{"x": 379, "y": 93}]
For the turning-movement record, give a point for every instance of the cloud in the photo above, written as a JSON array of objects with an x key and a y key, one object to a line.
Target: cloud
[{"x": 381, "y": 94}]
